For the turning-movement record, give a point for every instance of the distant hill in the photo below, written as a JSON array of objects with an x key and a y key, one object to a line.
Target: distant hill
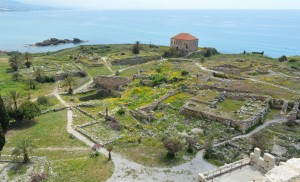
[{"x": 12, "y": 5}]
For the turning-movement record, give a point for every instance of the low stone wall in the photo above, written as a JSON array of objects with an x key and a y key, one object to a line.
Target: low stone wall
[
  {"x": 156, "y": 103},
  {"x": 210, "y": 175},
  {"x": 112, "y": 83},
  {"x": 54, "y": 110},
  {"x": 91, "y": 64},
  {"x": 86, "y": 113},
  {"x": 135, "y": 60},
  {"x": 81, "y": 130},
  {"x": 210, "y": 87},
  {"x": 266, "y": 163}
]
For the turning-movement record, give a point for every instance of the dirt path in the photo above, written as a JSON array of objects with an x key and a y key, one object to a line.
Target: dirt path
[
  {"x": 107, "y": 65},
  {"x": 84, "y": 86}
]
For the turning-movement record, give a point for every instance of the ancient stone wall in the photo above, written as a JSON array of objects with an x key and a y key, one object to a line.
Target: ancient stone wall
[
  {"x": 135, "y": 60},
  {"x": 112, "y": 83}
]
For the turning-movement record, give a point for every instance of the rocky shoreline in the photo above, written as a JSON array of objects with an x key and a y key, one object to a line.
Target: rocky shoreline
[{"x": 55, "y": 41}]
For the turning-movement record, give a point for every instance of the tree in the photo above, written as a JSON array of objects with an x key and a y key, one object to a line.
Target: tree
[
  {"x": 16, "y": 76},
  {"x": 28, "y": 58},
  {"x": 136, "y": 48},
  {"x": 4, "y": 119},
  {"x": 31, "y": 84},
  {"x": 69, "y": 82},
  {"x": 173, "y": 145},
  {"x": 109, "y": 149},
  {"x": 24, "y": 148},
  {"x": 191, "y": 141},
  {"x": 282, "y": 58},
  {"x": 2, "y": 139},
  {"x": 15, "y": 97},
  {"x": 15, "y": 61},
  {"x": 30, "y": 110},
  {"x": 39, "y": 75},
  {"x": 208, "y": 148}
]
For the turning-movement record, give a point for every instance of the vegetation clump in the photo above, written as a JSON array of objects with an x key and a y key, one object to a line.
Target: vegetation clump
[{"x": 173, "y": 145}]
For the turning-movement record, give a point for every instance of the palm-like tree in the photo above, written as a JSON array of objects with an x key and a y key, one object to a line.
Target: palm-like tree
[
  {"x": 38, "y": 74},
  {"x": 24, "y": 148},
  {"x": 28, "y": 58},
  {"x": 70, "y": 82},
  {"x": 15, "y": 97},
  {"x": 15, "y": 61}
]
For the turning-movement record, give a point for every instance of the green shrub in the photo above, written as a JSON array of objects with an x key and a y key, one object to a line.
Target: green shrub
[
  {"x": 184, "y": 73},
  {"x": 254, "y": 73},
  {"x": 121, "y": 111},
  {"x": 293, "y": 60},
  {"x": 282, "y": 58},
  {"x": 158, "y": 79},
  {"x": 43, "y": 100},
  {"x": 220, "y": 75}
]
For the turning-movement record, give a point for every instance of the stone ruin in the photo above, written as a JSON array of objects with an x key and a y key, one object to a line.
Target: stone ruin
[
  {"x": 249, "y": 115},
  {"x": 110, "y": 83},
  {"x": 265, "y": 163}
]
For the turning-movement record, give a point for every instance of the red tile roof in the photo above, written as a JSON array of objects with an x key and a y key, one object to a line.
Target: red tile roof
[{"x": 184, "y": 36}]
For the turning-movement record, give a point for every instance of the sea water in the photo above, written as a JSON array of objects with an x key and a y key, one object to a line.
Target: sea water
[{"x": 276, "y": 32}]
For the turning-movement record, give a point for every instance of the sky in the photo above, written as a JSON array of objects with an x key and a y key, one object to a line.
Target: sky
[{"x": 169, "y": 4}]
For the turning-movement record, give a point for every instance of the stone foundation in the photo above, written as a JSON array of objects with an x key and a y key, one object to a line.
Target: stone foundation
[{"x": 242, "y": 125}]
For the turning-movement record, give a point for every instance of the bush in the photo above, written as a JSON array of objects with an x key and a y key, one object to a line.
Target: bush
[
  {"x": 282, "y": 58},
  {"x": 43, "y": 100},
  {"x": 173, "y": 145},
  {"x": 220, "y": 75},
  {"x": 30, "y": 110},
  {"x": 49, "y": 79},
  {"x": 121, "y": 111},
  {"x": 136, "y": 48},
  {"x": 208, "y": 147},
  {"x": 184, "y": 73},
  {"x": 115, "y": 126},
  {"x": 293, "y": 60},
  {"x": 158, "y": 79},
  {"x": 28, "y": 64}
]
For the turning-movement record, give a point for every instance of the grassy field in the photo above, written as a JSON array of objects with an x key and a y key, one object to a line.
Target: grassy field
[
  {"x": 69, "y": 158},
  {"x": 48, "y": 131}
]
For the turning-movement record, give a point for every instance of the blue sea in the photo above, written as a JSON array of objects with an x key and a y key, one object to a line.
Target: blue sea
[{"x": 276, "y": 32}]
